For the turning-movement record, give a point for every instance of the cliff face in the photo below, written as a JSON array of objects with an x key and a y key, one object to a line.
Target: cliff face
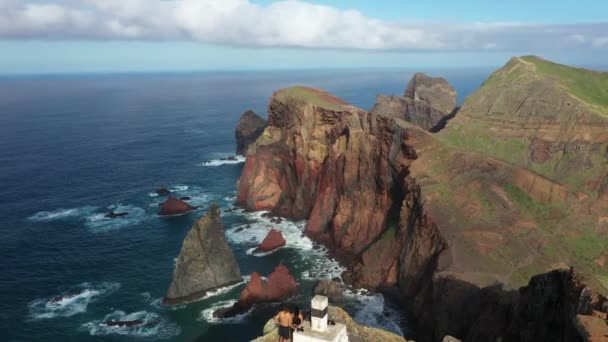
[
  {"x": 338, "y": 166},
  {"x": 249, "y": 128},
  {"x": 427, "y": 102},
  {"x": 205, "y": 261},
  {"x": 445, "y": 224}
]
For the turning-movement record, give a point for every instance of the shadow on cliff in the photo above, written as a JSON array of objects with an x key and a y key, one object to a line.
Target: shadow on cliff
[
  {"x": 544, "y": 310},
  {"x": 444, "y": 121}
]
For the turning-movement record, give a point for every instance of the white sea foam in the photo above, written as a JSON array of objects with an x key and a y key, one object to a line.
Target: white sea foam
[
  {"x": 207, "y": 314},
  {"x": 223, "y": 290},
  {"x": 251, "y": 251},
  {"x": 225, "y": 161},
  {"x": 152, "y": 194},
  {"x": 252, "y": 234},
  {"x": 179, "y": 188},
  {"x": 98, "y": 223},
  {"x": 372, "y": 311},
  {"x": 153, "y": 326},
  {"x": 71, "y": 302},
  {"x": 59, "y": 214}
]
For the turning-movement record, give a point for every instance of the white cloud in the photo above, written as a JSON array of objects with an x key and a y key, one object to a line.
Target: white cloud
[
  {"x": 288, "y": 23},
  {"x": 600, "y": 42}
]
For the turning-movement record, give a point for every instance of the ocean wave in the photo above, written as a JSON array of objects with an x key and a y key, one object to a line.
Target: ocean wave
[
  {"x": 225, "y": 161},
  {"x": 251, "y": 251},
  {"x": 207, "y": 314},
  {"x": 372, "y": 311},
  {"x": 321, "y": 265},
  {"x": 71, "y": 302},
  {"x": 152, "y": 325},
  {"x": 179, "y": 188},
  {"x": 60, "y": 214},
  {"x": 98, "y": 223}
]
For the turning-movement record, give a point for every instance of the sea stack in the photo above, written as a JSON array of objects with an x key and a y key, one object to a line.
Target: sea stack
[
  {"x": 250, "y": 127},
  {"x": 280, "y": 285},
  {"x": 205, "y": 262},
  {"x": 273, "y": 240},
  {"x": 427, "y": 102},
  {"x": 174, "y": 206}
]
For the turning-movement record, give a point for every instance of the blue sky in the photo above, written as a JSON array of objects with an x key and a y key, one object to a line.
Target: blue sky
[{"x": 179, "y": 35}]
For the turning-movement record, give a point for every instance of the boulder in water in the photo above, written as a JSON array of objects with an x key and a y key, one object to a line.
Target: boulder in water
[
  {"x": 127, "y": 324},
  {"x": 279, "y": 286},
  {"x": 70, "y": 295},
  {"x": 273, "y": 240},
  {"x": 162, "y": 191},
  {"x": 113, "y": 215},
  {"x": 205, "y": 262},
  {"x": 174, "y": 206}
]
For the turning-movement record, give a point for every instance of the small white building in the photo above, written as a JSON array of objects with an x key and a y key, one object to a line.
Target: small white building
[{"x": 318, "y": 329}]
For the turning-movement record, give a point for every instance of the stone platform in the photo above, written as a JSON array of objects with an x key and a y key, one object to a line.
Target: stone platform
[{"x": 333, "y": 333}]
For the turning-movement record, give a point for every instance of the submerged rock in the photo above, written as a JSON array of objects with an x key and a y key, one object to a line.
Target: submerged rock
[
  {"x": 70, "y": 295},
  {"x": 127, "y": 324},
  {"x": 249, "y": 128},
  {"x": 112, "y": 214},
  {"x": 273, "y": 240},
  {"x": 174, "y": 206},
  {"x": 205, "y": 262},
  {"x": 280, "y": 285},
  {"x": 162, "y": 191}
]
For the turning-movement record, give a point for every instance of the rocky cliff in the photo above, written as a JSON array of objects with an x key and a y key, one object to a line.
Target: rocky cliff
[
  {"x": 205, "y": 262},
  {"x": 249, "y": 128},
  {"x": 427, "y": 102},
  {"x": 446, "y": 224}
]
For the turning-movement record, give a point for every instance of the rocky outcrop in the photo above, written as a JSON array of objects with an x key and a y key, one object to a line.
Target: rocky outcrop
[
  {"x": 435, "y": 91},
  {"x": 356, "y": 332},
  {"x": 273, "y": 240},
  {"x": 205, "y": 262},
  {"x": 280, "y": 285},
  {"x": 173, "y": 206},
  {"x": 249, "y": 128},
  {"x": 427, "y": 102},
  {"x": 329, "y": 289}
]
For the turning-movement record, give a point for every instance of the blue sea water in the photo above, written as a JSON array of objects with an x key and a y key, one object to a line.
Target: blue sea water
[{"x": 74, "y": 147}]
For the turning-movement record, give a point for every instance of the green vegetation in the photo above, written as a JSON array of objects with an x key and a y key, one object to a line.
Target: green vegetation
[
  {"x": 603, "y": 279},
  {"x": 588, "y": 86},
  {"x": 587, "y": 244},
  {"x": 475, "y": 137},
  {"x": 313, "y": 96},
  {"x": 526, "y": 202},
  {"x": 389, "y": 233}
]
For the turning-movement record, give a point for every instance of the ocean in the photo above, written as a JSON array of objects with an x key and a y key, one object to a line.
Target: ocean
[{"x": 74, "y": 147}]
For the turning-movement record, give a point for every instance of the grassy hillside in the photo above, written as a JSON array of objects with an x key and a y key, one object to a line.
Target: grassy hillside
[
  {"x": 310, "y": 95},
  {"x": 588, "y": 86},
  {"x": 547, "y": 117}
]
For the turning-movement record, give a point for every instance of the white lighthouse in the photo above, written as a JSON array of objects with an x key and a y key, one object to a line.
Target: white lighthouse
[{"x": 319, "y": 329}]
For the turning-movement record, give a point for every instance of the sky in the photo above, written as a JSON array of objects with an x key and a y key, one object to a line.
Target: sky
[{"x": 73, "y": 36}]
